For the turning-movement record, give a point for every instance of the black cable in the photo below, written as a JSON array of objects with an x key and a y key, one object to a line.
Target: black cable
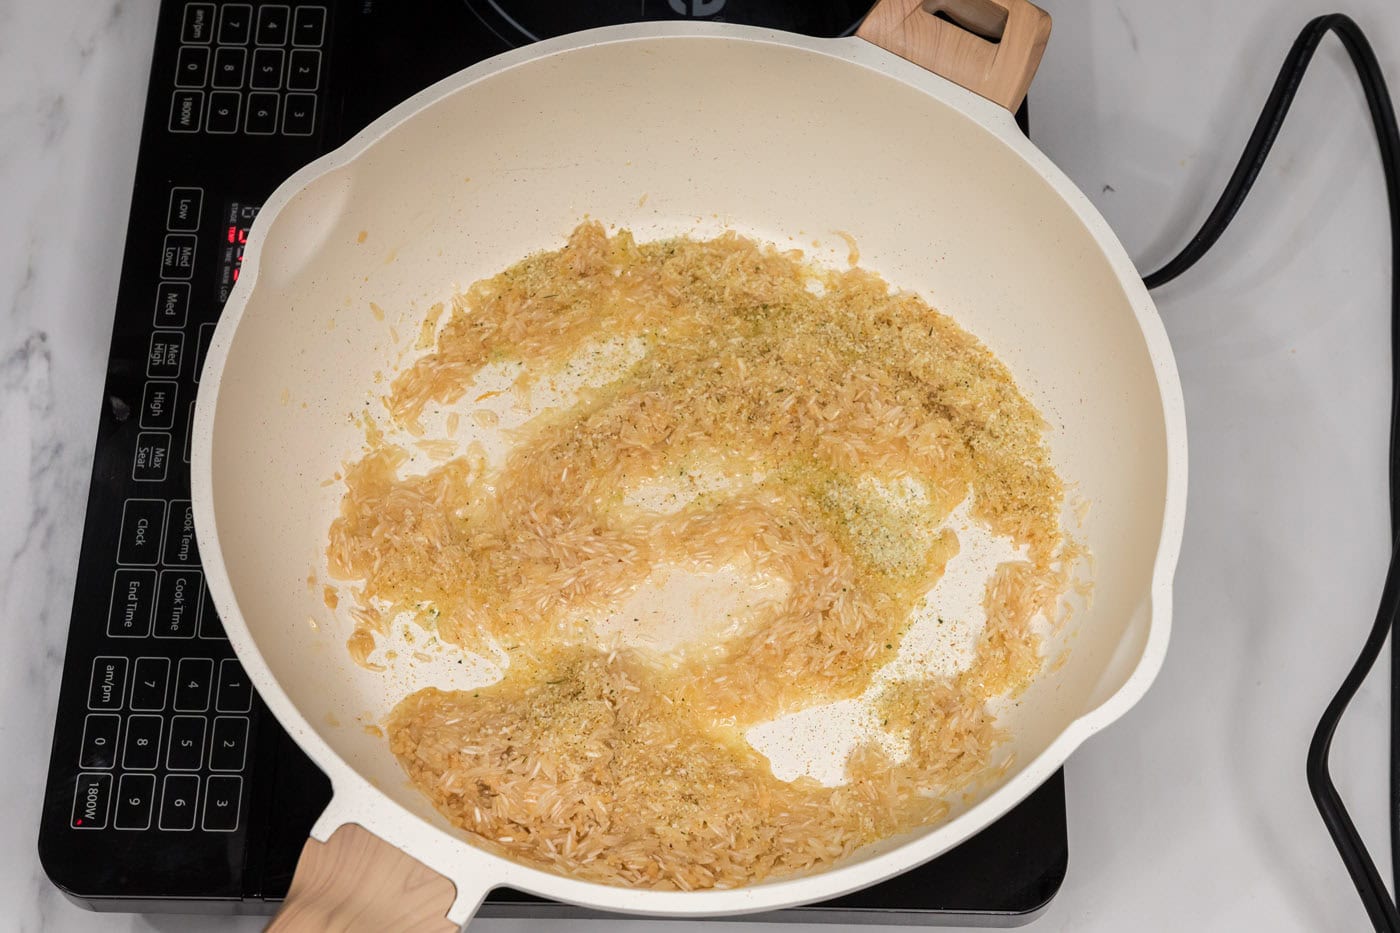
[{"x": 1379, "y": 904}]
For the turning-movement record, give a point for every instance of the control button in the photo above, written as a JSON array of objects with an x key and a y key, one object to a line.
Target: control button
[
  {"x": 152, "y": 456},
  {"x": 199, "y": 23},
  {"x": 235, "y": 692},
  {"x": 309, "y": 27},
  {"x": 148, "y": 683},
  {"x": 136, "y": 801},
  {"x": 229, "y": 748},
  {"x": 181, "y": 547},
  {"x": 189, "y": 430},
  {"x": 192, "y": 66},
  {"x": 228, "y": 67},
  {"x": 133, "y": 596},
  {"x": 206, "y": 334},
  {"x": 158, "y": 405},
  {"x": 165, "y": 355},
  {"x": 235, "y": 24},
  {"x": 99, "y": 749},
  {"x": 223, "y": 794},
  {"x": 107, "y": 688},
  {"x": 185, "y": 205},
  {"x": 273, "y": 23},
  {"x": 210, "y": 625},
  {"x": 177, "y": 256},
  {"x": 186, "y": 110},
  {"x": 178, "y": 604},
  {"x": 193, "y": 681},
  {"x": 299, "y": 114},
  {"x": 91, "y": 798},
  {"x": 223, "y": 112},
  {"x": 172, "y": 304},
  {"x": 262, "y": 114},
  {"x": 178, "y": 798},
  {"x": 267, "y": 69},
  {"x": 185, "y": 751},
  {"x": 142, "y": 749},
  {"x": 304, "y": 71},
  {"x": 143, "y": 521}
]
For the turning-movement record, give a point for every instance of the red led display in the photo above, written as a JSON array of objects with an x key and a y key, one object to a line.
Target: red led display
[{"x": 238, "y": 221}]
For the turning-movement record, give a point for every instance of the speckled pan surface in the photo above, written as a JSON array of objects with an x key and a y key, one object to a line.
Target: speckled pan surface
[{"x": 669, "y": 129}]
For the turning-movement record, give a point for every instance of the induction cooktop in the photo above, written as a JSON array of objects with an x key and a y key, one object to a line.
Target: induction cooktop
[{"x": 170, "y": 787}]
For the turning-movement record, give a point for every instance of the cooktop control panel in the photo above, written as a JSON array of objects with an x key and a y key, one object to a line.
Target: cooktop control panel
[{"x": 164, "y": 778}]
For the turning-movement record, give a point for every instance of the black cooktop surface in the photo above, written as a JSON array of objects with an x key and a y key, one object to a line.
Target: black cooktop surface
[
  {"x": 170, "y": 787},
  {"x": 521, "y": 21}
]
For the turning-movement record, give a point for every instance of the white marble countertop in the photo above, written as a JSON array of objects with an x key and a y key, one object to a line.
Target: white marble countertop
[{"x": 1192, "y": 811}]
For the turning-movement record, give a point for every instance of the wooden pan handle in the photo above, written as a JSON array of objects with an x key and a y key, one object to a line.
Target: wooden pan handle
[
  {"x": 355, "y": 882},
  {"x": 990, "y": 47}
]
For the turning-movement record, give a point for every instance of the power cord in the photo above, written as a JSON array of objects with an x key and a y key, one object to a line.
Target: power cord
[{"x": 1379, "y": 904}]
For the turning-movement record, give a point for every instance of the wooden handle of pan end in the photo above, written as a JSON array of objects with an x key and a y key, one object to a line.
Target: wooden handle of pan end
[
  {"x": 990, "y": 47},
  {"x": 355, "y": 882}
]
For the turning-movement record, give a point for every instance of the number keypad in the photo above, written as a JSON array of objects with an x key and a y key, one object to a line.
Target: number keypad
[
  {"x": 254, "y": 71},
  {"x": 167, "y": 746}
]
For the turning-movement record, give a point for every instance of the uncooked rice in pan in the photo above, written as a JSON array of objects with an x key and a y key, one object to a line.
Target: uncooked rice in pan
[{"x": 628, "y": 766}]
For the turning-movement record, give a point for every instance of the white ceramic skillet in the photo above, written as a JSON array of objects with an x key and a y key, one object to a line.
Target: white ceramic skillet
[{"x": 669, "y": 128}]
